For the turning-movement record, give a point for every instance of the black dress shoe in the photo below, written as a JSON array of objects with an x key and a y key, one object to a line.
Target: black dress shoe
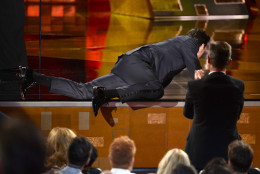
[
  {"x": 28, "y": 81},
  {"x": 98, "y": 98}
]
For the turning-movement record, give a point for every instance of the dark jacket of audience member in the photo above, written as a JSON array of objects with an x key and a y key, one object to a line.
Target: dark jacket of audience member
[{"x": 253, "y": 170}]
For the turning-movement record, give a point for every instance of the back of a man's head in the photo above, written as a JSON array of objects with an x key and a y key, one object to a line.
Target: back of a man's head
[
  {"x": 219, "y": 54},
  {"x": 79, "y": 151},
  {"x": 183, "y": 169},
  {"x": 122, "y": 152},
  {"x": 199, "y": 35},
  {"x": 22, "y": 148},
  {"x": 216, "y": 166},
  {"x": 240, "y": 156}
]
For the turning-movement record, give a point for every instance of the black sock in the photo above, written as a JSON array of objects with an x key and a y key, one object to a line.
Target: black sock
[
  {"x": 111, "y": 93},
  {"x": 42, "y": 79}
]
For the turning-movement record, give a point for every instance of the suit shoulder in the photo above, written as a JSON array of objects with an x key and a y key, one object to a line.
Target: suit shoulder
[
  {"x": 238, "y": 81},
  {"x": 183, "y": 38},
  {"x": 194, "y": 82}
]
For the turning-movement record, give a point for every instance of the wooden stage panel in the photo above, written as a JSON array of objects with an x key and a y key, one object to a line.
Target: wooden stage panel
[
  {"x": 250, "y": 132},
  {"x": 156, "y": 128}
]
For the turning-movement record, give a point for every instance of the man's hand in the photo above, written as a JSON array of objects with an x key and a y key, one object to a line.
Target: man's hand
[{"x": 198, "y": 74}]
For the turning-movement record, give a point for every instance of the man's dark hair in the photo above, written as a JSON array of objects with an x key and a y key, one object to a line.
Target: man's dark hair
[
  {"x": 199, "y": 35},
  {"x": 183, "y": 169},
  {"x": 22, "y": 148},
  {"x": 240, "y": 155},
  {"x": 219, "y": 54},
  {"x": 216, "y": 166},
  {"x": 79, "y": 151}
]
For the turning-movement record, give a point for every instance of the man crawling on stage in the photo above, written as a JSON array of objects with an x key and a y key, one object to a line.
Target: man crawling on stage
[{"x": 140, "y": 74}]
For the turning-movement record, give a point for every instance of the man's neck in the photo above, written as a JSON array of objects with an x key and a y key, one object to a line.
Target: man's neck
[
  {"x": 212, "y": 69},
  {"x": 75, "y": 166},
  {"x": 122, "y": 167}
]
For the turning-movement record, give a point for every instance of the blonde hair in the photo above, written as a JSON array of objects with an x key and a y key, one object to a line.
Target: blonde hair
[
  {"x": 171, "y": 159},
  {"x": 57, "y": 145}
]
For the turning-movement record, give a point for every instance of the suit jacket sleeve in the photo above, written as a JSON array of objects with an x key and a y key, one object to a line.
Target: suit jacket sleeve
[
  {"x": 242, "y": 103},
  {"x": 189, "y": 52},
  {"x": 188, "y": 106}
]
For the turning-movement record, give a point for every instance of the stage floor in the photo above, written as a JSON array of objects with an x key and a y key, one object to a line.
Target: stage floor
[{"x": 81, "y": 41}]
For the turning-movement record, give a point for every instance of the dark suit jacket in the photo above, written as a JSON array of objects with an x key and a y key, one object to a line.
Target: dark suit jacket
[
  {"x": 141, "y": 73},
  {"x": 159, "y": 61},
  {"x": 12, "y": 45},
  {"x": 214, "y": 103}
]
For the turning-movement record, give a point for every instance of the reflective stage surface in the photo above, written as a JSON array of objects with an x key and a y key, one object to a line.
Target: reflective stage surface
[{"x": 81, "y": 41}]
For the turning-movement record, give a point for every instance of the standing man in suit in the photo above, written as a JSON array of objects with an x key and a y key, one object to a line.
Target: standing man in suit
[
  {"x": 214, "y": 102},
  {"x": 139, "y": 74},
  {"x": 12, "y": 45},
  {"x": 12, "y": 48}
]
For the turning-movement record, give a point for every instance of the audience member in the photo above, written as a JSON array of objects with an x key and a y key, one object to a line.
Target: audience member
[
  {"x": 121, "y": 155},
  {"x": 57, "y": 145},
  {"x": 253, "y": 170},
  {"x": 240, "y": 156},
  {"x": 3, "y": 119},
  {"x": 183, "y": 169},
  {"x": 171, "y": 159},
  {"x": 22, "y": 148},
  {"x": 215, "y": 103},
  {"x": 88, "y": 169},
  {"x": 217, "y": 166},
  {"x": 78, "y": 155}
]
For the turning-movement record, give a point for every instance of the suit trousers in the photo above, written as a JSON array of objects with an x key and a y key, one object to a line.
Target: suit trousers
[{"x": 133, "y": 79}]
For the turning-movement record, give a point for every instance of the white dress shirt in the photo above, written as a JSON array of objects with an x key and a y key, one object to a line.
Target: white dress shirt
[
  {"x": 120, "y": 171},
  {"x": 216, "y": 71}
]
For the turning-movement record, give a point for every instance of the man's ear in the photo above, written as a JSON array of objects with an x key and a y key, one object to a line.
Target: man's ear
[
  {"x": 88, "y": 161},
  {"x": 131, "y": 164},
  {"x": 208, "y": 60},
  {"x": 229, "y": 163},
  {"x": 229, "y": 62},
  {"x": 133, "y": 161},
  {"x": 110, "y": 161}
]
